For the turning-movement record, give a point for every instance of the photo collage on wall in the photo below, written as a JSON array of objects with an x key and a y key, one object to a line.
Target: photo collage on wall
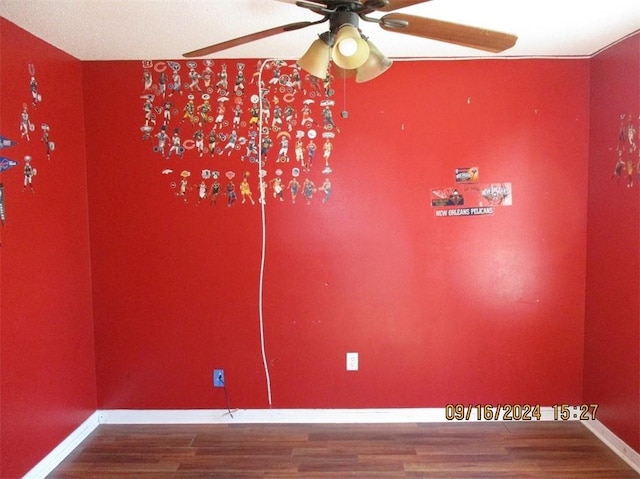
[
  {"x": 27, "y": 129},
  {"x": 627, "y": 167},
  {"x": 470, "y": 197},
  {"x": 210, "y": 122}
]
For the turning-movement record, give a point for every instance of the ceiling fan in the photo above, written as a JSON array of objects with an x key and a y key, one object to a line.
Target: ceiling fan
[{"x": 345, "y": 45}]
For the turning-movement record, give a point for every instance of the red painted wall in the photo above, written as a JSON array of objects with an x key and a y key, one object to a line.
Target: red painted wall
[
  {"x": 612, "y": 325},
  {"x": 48, "y": 384},
  {"x": 441, "y": 310}
]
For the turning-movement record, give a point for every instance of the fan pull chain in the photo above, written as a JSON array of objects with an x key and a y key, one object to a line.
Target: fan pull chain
[{"x": 344, "y": 113}]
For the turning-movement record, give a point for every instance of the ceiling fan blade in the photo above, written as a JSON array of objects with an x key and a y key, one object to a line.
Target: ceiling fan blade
[
  {"x": 246, "y": 39},
  {"x": 398, "y": 4},
  {"x": 320, "y": 3},
  {"x": 473, "y": 37}
]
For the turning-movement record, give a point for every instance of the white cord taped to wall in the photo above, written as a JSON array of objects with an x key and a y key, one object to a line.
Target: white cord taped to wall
[{"x": 264, "y": 235}]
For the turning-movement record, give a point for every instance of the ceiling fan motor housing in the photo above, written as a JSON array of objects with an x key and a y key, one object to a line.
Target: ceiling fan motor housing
[{"x": 343, "y": 17}]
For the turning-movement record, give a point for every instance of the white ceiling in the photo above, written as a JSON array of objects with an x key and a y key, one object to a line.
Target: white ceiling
[{"x": 164, "y": 29}]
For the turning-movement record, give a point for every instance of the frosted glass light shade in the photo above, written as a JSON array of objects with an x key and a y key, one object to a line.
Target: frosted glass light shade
[
  {"x": 348, "y": 34},
  {"x": 375, "y": 65},
  {"x": 316, "y": 59}
]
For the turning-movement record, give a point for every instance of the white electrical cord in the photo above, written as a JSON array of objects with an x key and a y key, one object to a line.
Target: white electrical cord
[{"x": 264, "y": 235}]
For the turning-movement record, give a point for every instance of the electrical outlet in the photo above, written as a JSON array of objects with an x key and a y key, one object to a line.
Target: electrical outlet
[
  {"x": 352, "y": 361},
  {"x": 218, "y": 378}
]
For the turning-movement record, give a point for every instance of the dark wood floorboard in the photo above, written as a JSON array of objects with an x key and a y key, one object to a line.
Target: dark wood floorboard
[{"x": 522, "y": 450}]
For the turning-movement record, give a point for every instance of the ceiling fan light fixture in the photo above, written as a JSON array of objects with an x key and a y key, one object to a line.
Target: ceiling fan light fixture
[
  {"x": 375, "y": 65},
  {"x": 349, "y": 49},
  {"x": 316, "y": 59}
]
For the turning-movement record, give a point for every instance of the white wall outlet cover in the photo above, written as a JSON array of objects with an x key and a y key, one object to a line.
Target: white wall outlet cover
[{"x": 352, "y": 361}]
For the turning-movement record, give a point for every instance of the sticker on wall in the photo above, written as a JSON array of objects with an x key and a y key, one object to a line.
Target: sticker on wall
[
  {"x": 294, "y": 184},
  {"x": 49, "y": 145},
  {"x": 469, "y": 198},
  {"x": 184, "y": 184},
  {"x": 29, "y": 173},
  {"x": 627, "y": 163},
  {"x": 308, "y": 190},
  {"x": 327, "y": 148},
  {"x": 498, "y": 194},
  {"x": 25, "y": 123},
  {"x": 245, "y": 189},
  {"x": 230, "y": 189},
  {"x": 215, "y": 188},
  {"x": 277, "y": 186},
  {"x": 326, "y": 189},
  {"x": 446, "y": 197},
  {"x": 6, "y": 163},
  {"x": 225, "y": 116},
  {"x": 6, "y": 142},
  {"x": 36, "y": 97},
  {"x": 2, "y": 213},
  {"x": 467, "y": 175}
]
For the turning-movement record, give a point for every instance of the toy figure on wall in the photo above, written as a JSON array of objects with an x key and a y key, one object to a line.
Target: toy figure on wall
[{"x": 228, "y": 120}]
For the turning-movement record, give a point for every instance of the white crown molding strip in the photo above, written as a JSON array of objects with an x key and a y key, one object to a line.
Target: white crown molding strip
[
  {"x": 62, "y": 450},
  {"x": 289, "y": 416},
  {"x": 614, "y": 443}
]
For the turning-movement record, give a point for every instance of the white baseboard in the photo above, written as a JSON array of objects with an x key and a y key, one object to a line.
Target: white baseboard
[
  {"x": 614, "y": 443},
  {"x": 275, "y": 416},
  {"x": 62, "y": 450},
  {"x": 288, "y": 416}
]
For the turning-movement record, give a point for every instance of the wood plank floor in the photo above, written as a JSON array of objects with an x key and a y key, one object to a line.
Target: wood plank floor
[{"x": 540, "y": 450}]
